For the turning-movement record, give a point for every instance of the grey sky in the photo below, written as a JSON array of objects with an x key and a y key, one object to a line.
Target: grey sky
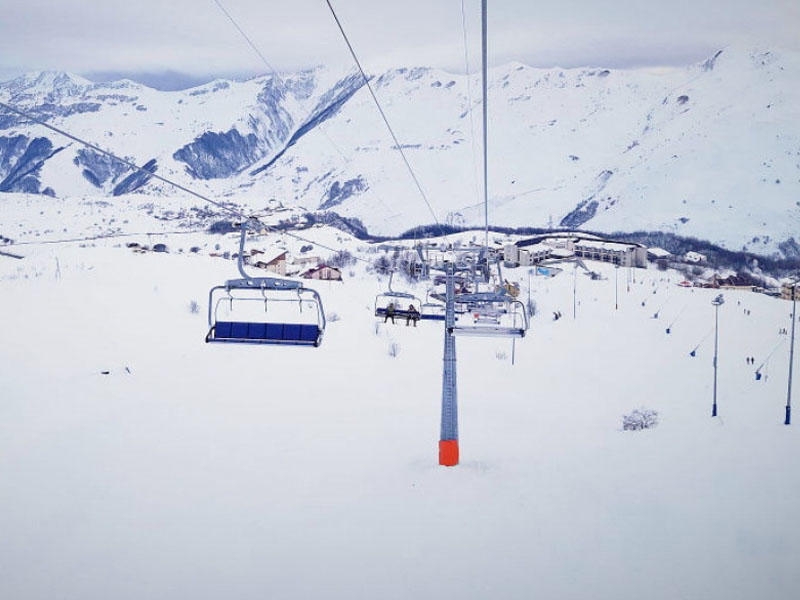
[{"x": 194, "y": 39}]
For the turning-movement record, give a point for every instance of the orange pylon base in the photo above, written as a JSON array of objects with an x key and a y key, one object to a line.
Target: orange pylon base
[{"x": 448, "y": 453}]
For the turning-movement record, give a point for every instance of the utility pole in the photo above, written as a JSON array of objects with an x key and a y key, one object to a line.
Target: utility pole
[
  {"x": 575, "y": 292},
  {"x": 716, "y": 302},
  {"x": 788, "y": 419}
]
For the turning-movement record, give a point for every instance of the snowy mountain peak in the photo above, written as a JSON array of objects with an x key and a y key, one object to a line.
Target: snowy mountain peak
[
  {"x": 710, "y": 150},
  {"x": 47, "y": 86}
]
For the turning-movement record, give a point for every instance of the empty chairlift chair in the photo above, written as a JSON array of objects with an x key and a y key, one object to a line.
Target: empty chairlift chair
[
  {"x": 264, "y": 310},
  {"x": 432, "y": 311},
  {"x": 491, "y": 314}
]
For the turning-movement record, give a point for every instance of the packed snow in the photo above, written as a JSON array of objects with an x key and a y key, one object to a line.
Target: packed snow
[{"x": 137, "y": 461}]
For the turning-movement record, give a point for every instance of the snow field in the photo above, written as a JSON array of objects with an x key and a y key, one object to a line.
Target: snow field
[{"x": 213, "y": 470}]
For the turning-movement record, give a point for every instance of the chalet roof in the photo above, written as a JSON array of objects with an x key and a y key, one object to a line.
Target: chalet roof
[
  {"x": 658, "y": 252},
  {"x": 320, "y": 267},
  {"x": 272, "y": 256},
  {"x": 603, "y": 245},
  {"x": 562, "y": 253}
]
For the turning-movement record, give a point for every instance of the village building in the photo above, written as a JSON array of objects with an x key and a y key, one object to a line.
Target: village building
[
  {"x": 550, "y": 247},
  {"x": 275, "y": 264},
  {"x": 660, "y": 257},
  {"x": 695, "y": 258},
  {"x": 736, "y": 282},
  {"x": 323, "y": 272},
  {"x": 304, "y": 261},
  {"x": 518, "y": 256},
  {"x": 618, "y": 253},
  {"x": 786, "y": 290}
]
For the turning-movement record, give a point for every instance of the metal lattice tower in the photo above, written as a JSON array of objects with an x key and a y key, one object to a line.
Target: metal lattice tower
[{"x": 448, "y": 437}]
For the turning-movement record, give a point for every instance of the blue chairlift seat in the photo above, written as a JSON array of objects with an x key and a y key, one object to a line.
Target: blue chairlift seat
[
  {"x": 265, "y": 333},
  {"x": 431, "y": 317},
  {"x": 398, "y": 313}
]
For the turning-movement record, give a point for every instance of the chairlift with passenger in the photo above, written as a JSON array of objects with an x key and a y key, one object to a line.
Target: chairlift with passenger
[{"x": 401, "y": 301}]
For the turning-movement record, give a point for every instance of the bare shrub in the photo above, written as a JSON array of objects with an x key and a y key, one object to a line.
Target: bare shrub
[{"x": 643, "y": 418}]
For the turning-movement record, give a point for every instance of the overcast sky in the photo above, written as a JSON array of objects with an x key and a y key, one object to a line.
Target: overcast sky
[{"x": 166, "y": 42}]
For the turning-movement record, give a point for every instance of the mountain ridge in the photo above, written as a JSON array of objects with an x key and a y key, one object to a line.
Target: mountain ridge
[{"x": 711, "y": 150}]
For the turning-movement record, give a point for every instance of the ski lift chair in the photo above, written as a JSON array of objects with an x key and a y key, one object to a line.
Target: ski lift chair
[
  {"x": 492, "y": 314},
  {"x": 401, "y": 301},
  {"x": 264, "y": 310},
  {"x": 432, "y": 311}
]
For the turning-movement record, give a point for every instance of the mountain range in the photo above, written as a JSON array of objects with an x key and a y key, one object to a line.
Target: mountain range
[{"x": 710, "y": 150}]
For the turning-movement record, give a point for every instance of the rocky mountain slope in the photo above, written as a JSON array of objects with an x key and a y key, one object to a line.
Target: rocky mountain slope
[{"x": 711, "y": 150}]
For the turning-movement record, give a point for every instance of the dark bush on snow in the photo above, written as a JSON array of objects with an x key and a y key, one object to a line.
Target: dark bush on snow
[{"x": 640, "y": 419}]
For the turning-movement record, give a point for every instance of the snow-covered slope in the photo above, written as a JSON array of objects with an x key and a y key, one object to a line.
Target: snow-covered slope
[
  {"x": 711, "y": 150},
  {"x": 139, "y": 462}
]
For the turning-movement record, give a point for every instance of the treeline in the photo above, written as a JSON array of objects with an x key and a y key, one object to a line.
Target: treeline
[
  {"x": 716, "y": 255},
  {"x": 677, "y": 245}
]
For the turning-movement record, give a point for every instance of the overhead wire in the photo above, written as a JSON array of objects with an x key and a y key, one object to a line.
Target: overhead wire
[
  {"x": 468, "y": 74},
  {"x": 781, "y": 341},
  {"x": 129, "y": 164},
  {"x": 382, "y": 113},
  {"x": 100, "y": 236},
  {"x": 282, "y": 82},
  {"x": 245, "y": 36},
  {"x": 485, "y": 122},
  {"x": 237, "y": 213}
]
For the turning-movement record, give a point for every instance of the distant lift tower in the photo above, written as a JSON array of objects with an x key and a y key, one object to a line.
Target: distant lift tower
[{"x": 448, "y": 437}]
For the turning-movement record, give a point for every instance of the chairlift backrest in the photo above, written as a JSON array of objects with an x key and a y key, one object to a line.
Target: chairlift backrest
[
  {"x": 400, "y": 302},
  {"x": 494, "y": 314}
]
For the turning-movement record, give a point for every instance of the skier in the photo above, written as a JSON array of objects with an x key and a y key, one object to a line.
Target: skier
[
  {"x": 389, "y": 312},
  {"x": 412, "y": 315}
]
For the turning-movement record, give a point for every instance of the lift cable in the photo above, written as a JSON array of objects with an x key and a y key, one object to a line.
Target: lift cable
[
  {"x": 246, "y": 37},
  {"x": 235, "y": 212},
  {"x": 282, "y": 82},
  {"x": 469, "y": 96},
  {"x": 485, "y": 121},
  {"x": 127, "y": 163},
  {"x": 382, "y": 113},
  {"x": 102, "y": 236}
]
